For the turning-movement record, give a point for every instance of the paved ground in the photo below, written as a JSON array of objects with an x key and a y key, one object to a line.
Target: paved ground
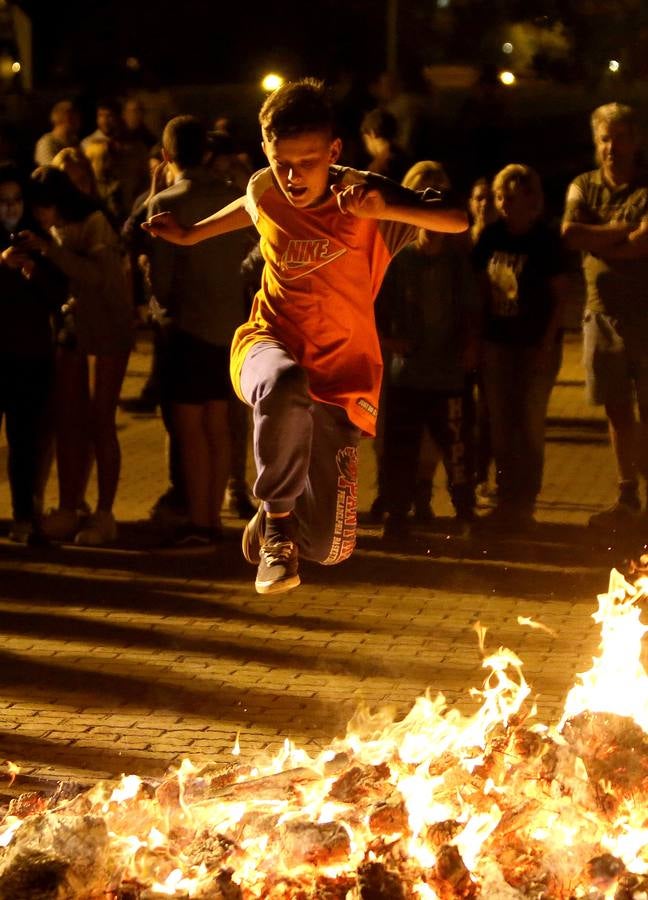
[{"x": 126, "y": 660}]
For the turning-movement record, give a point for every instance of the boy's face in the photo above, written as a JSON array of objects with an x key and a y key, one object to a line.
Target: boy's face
[{"x": 300, "y": 165}]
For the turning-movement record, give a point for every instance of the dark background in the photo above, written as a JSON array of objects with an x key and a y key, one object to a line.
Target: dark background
[
  {"x": 194, "y": 41},
  {"x": 204, "y": 40},
  {"x": 207, "y": 57}
]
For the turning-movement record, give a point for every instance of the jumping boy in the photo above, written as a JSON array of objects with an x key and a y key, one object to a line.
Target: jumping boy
[{"x": 308, "y": 360}]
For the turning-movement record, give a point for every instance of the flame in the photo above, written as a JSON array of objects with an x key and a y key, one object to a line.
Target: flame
[
  {"x": 492, "y": 804},
  {"x": 617, "y": 681}
]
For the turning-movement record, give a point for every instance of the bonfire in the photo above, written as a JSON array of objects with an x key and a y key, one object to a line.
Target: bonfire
[{"x": 437, "y": 805}]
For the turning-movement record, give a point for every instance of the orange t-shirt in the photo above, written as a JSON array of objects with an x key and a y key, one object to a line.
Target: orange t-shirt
[{"x": 321, "y": 276}]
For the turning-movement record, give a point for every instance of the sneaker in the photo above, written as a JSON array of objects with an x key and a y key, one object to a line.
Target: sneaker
[
  {"x": 61, "y": 524},
  {"x": 99, "y": 529},
  {"x": 169, "y": 510},
  {"x": 278, "y": 568},
  {"x": 622, "y": 514},
  {"x": 21, "y": 532},
  {"x": 253, "y": 536}
]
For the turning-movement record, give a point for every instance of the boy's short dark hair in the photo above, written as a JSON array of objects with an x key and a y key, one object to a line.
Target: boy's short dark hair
[
  {"x": 298, "y": 107},
  {"x": 185, "y": 140}
]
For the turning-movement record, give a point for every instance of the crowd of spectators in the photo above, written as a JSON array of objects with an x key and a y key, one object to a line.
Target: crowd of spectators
[{"x": 471, "y": 325}]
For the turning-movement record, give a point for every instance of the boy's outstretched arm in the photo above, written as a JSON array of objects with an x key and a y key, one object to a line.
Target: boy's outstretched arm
[
  {"x": 230, "y": 218},
  {"x": 368, "y": 202}
]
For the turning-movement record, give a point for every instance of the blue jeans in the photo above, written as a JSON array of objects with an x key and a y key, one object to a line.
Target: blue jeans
[{"x": 517, "y": 395}]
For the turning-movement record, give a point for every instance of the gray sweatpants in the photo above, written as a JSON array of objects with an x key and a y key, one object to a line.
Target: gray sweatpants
[{"x": 306, "y": 454}]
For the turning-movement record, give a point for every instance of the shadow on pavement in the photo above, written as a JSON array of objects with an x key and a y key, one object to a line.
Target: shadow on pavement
[
  {"x": 58, "y": 753},
  {"x": 554, "y": 560}
]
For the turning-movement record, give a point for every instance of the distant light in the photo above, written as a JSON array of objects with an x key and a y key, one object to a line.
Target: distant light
[
  {"x": 271, "y": 81},
  {"x": 507, "y": 47},
  {"x": 507, "y": 78},
  {"x": 443, "y": 4},
  {"x": 16, "y": 67},
  {"x": 133, "y": 63},
  {"x": 614, "y": 65}
]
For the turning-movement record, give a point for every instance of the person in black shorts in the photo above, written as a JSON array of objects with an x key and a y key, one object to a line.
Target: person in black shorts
[{"x": 199, "y": 291}]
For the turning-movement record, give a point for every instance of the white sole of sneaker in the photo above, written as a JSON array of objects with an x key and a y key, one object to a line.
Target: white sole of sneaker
[{"x": 277, "y": 587}]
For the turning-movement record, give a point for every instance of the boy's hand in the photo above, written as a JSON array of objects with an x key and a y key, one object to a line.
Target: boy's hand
[
  {"x": 359, "y": 200},
  {"x": 165, "y": 226}
]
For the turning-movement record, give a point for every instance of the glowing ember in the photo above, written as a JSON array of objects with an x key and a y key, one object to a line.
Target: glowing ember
[{"x": 436, "y": 806}]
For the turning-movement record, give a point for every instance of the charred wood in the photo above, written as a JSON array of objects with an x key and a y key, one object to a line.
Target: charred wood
[
  {"x": 69, "y": 853},
  {"x": 377, "y": 882},
  {"x": 452, "y": 876}
]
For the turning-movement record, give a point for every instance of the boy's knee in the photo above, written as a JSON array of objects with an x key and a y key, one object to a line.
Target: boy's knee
[{"x": 289, "y": 383}]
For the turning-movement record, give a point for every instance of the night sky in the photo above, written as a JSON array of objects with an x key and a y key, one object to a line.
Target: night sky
[{"x": 189, "y": 41}]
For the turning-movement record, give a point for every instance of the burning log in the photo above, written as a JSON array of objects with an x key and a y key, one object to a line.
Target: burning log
[
  {"x": 330, "y": 889},
  {"x": 57, "y": 858},
  {"x": 126, "y": 891},
  {"x": 389, "y": 817},
  {"x": 221, "y": 887},
  {"x": 319, "y": 844},
  {"x": 377, "y": 882},
  {"x": 210, "y": 849},
  {"x": 27, "y": 804},
  {"x": 442, "y": 833},
  {"x": 519, "y": 864},
  {"x": 359, "y": 781},
  {"x": 37, "y": 875},
  {"x": 452, "y": 876},
  {"x": 614, "y": 750},
  {"x": 205, "y": 784},
  {"x": 517, "y": 817},
  {"x": 603, "y": 872},
  {"x": 632, "y": 887}
]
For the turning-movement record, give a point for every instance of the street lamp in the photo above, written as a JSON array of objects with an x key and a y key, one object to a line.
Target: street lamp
[{"x": 271, "y": 82}]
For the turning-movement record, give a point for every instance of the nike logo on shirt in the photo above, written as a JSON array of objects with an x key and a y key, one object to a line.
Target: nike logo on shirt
[{"x": 307, "y": 256}]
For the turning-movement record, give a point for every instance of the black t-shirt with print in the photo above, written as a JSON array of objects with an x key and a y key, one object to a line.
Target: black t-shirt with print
[{"x": 519, "y": 268}]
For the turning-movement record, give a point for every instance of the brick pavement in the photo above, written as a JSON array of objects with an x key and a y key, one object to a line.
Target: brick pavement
[{"x": 126, "y": 660}]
